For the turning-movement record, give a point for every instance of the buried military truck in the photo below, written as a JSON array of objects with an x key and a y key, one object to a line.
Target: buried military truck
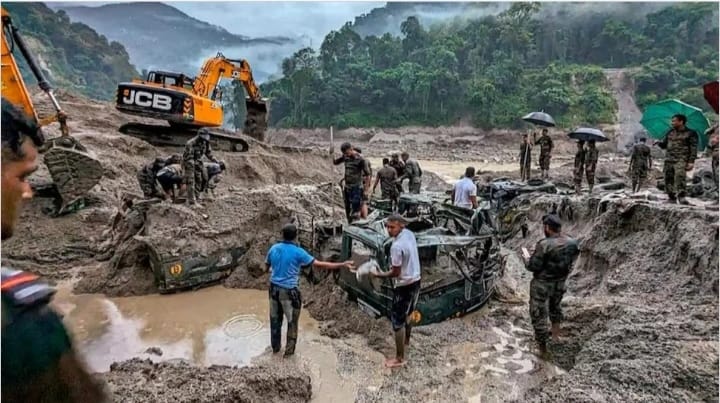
[{"x": 458, "y": 272}]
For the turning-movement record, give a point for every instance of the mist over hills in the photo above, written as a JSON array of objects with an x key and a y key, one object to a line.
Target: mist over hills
[{"x": 159, "y": 36}]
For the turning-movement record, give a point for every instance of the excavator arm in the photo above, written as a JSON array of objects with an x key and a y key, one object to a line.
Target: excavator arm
[
  {"x": 73, "y": 170},
  {"x": 220, "y": 67}
]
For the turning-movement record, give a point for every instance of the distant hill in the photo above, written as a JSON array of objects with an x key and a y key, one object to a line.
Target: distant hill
[
  {"x": 159, "y": 36},
  {"x": 72, "y": 55}
]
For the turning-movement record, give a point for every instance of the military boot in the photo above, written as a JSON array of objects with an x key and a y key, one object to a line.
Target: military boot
[
  {"x": 671, "y": 198},
  {"x": 682, "y": 200}
]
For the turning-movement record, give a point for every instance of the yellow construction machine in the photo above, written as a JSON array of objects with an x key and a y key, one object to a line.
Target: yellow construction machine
[
  {"x": 74, "y": 171},
  {"x": 189, "y": 104}
]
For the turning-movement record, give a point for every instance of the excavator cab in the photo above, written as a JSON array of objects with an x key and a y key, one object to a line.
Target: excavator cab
[{"x": 73, "y": 169}]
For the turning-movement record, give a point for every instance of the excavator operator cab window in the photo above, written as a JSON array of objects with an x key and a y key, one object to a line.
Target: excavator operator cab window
[{"x": 167, "y": 80}]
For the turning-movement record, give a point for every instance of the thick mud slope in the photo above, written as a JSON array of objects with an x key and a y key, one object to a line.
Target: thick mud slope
[
  {"x": 642, "y": 313},
  {"x": 140, "y": 381}
]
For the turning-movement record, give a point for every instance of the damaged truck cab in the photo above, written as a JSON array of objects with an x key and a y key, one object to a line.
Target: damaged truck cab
[{"x": 458, "y": 272}]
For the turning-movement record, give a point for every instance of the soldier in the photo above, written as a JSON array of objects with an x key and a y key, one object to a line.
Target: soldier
[
  {"x": 712, "y": 149},
  {"x": 387, "y": 177},
  {"x": 525, "y": 158},
  {"x": 640, "y": 164},
  {"x": 169, "y": 178},
  {"x": 579, "y": 166},
  {"x": 412, "y": 172},
  {"x": 195, "y": 148},
  {"x": 546, "y": 147},
  {"x": 356, "y": 168},
  {"x": 146, "y": 178},
  {"x": 399, "y": 169},
  {"x": 550, "y": 263},
  {"x": 39, "y": 363},
  {"x": 213, "y": 175},
  {"x": 591, "y": 158},
  {"x": 680, "y": 144},
  {"x": 367, "y": 181}
]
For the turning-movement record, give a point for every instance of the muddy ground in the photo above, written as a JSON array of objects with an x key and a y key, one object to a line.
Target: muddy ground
[{"x": 641, "y": 310}]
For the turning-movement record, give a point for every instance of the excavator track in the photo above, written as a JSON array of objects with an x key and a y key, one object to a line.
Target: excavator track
[{"x": 169, "y": 136}]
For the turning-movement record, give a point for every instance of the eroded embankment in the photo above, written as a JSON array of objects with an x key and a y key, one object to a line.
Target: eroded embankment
[{"x": 641, "y": 310}]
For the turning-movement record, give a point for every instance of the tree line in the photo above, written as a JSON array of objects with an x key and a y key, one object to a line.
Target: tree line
[{"x": 489, "y": 71}]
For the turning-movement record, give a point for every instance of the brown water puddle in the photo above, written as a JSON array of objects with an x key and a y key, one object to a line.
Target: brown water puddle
[{"x": 210, "y": 326}]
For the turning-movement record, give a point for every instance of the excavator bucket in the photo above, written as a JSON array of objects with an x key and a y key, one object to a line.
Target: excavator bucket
[
  {"x": 74, "y": 171},
  {"x": 256, "y": 119}
]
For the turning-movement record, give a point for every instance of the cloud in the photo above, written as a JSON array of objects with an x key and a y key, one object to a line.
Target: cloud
[{"x": 312, "y": 20}]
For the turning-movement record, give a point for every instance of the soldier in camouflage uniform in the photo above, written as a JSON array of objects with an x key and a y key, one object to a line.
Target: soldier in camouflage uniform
[
  {"x": 579, "y": 165},
  {"x": 712, "y": 149},
  {"x": 591, "y": 158},
  {"x": 387, "y": 178},
  {"x": 640, "y": 164},
  {"x": 399, "y": 167},
  {"x": 525, "y": 158},
  {"x": 546, "y": 147},
  {"x": 39, "y": 363},
  {"x": 550, "y": 263},
  {"x": 412, "y": 172},
  {"x": 681, "y": 150},
  {"x": 193, "y": 166},
  {"x": 146, "y": 178}
]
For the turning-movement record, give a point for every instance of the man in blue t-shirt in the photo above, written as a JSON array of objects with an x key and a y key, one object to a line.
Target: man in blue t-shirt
[{"x": 285, "y": 260}]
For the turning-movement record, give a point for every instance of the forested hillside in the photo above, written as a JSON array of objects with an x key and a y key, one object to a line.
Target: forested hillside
[
  {"x": 73, "y": 55},
  {"x": 493, "y": 69}
]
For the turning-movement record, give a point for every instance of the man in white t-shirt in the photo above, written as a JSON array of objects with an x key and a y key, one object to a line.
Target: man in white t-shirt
[
  {"x": 464, "y": 193},
  {"x": 405, "y": 272}
]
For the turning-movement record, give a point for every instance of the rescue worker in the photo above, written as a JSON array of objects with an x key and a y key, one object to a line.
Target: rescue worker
[
  {"x": 367, "y": 182},
  {"x": 412, "y": 172},
  {"x": 680, "y": 144},
  {"x": 591, "y": 158},
  {"x": 546, "y": 147},
  {"x": 712, "y": 149},
  {"x": 525, "y": 158},
  {"x": 405, "y": 272},
  {"x": 399, "y": 167},
  {"x": 464, "y": 193},
  {"x": 387, "y": 178},
  {"x": 579, "y": 166},
  {"x": 170, "y": 178},
  {"x": 640, "y": 164},
  {"x": 39, "y": 363},
  {"x": 195, "y": 149},
  {"x": 550, "y": 263},
  {"x": 213, "y": 175},
  {"x": 285, "y": 260},
  {"x": 146, "y": 178},
  {"x": 356, "y": 168}
]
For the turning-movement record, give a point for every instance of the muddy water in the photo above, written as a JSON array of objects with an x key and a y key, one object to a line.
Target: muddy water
[{"x": 209, "y": 326}]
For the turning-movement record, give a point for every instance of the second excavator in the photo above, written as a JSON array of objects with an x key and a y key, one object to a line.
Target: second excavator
[
  {"x": 73, "y": 168},
  {"x": 188, "y": 104}
]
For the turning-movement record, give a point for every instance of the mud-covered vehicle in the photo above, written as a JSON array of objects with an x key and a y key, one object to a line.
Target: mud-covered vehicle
[{"x": 458, "y": 272}]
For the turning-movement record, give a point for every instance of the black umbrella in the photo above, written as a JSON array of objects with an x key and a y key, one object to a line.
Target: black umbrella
[
  {"x": 540, "y": 119},
  {"x": 588, "y": 134}
]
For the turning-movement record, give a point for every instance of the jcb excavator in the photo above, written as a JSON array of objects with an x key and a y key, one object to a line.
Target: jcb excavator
[
  {"x": 192, "y": 103},
  {"x": 73, "y": 170}
]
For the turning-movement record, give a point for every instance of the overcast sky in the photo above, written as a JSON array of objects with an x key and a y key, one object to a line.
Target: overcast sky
[{"x": 293, "y": 19}]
